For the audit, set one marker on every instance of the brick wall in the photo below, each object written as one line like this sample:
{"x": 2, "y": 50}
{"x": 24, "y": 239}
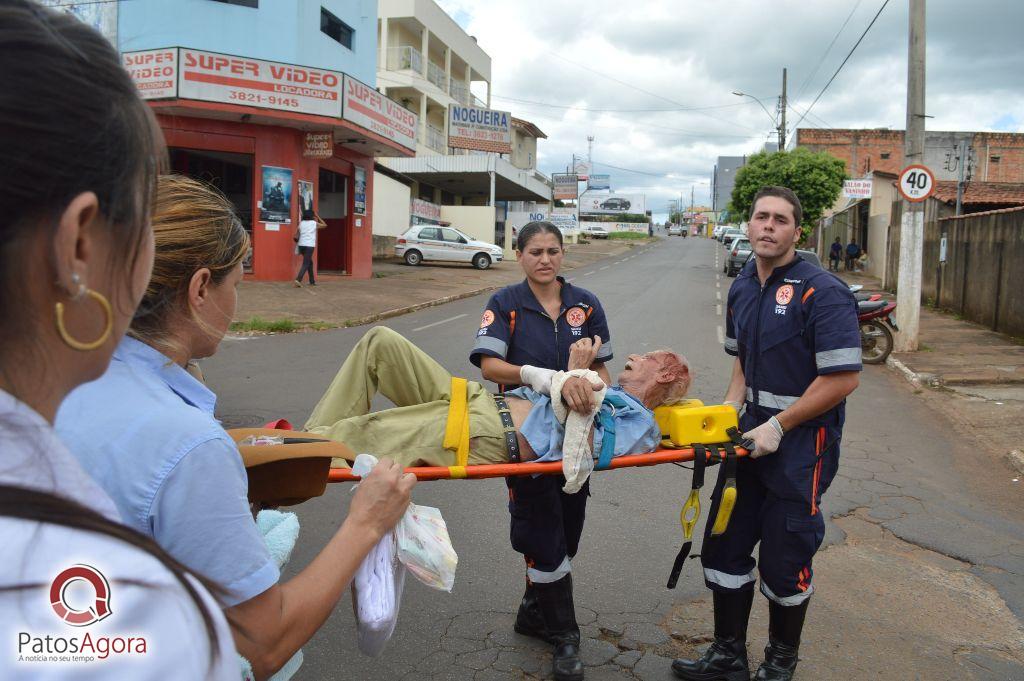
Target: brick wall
{"x": 994, "y": 156}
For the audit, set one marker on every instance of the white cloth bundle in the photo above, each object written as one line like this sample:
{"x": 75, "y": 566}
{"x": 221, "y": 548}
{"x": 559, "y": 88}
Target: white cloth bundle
{"x": 577, "y": 454}
{"x": 377, "y": 585}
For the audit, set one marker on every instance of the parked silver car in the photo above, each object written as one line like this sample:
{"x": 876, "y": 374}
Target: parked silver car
{"x": 736, "y": 256}
{"x": 437, "y": 242}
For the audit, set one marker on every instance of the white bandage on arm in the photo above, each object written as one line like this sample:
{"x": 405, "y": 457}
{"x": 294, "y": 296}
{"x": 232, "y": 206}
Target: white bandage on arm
{"x": 537, "y": 378}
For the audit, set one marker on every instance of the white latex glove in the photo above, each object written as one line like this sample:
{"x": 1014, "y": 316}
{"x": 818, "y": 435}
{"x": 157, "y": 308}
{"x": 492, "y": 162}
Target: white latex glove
{"x": 537, "y": 378}
{"x": 766, "y": 437}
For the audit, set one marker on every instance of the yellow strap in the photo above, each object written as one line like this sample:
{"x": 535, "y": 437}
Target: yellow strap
{"x": 456, "y": 431}
{"x": 457, "y": 472}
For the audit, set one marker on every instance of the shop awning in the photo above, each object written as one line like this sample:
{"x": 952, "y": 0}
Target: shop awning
{"x": 470, "y": 175}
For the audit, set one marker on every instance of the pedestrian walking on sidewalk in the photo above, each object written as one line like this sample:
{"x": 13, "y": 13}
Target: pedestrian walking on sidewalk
{"x": 835, "y": 254}
{"x": 306, "y": 237}
{"x": 526, "y": 329}
{"x": 792, "y": 328}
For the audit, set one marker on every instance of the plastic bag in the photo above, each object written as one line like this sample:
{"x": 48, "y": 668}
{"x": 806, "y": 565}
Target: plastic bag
{"x": 377, "y": 586}
{"x": 425, "y": 547}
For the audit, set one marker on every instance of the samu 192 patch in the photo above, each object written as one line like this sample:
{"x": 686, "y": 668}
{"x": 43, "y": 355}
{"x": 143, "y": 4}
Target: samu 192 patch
{"x": 487, "y": 319}
{"x": 576, "y": 317}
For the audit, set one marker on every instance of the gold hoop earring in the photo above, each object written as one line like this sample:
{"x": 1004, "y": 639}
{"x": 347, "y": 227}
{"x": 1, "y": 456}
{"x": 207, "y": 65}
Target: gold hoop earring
{"x": 92, "y": 345}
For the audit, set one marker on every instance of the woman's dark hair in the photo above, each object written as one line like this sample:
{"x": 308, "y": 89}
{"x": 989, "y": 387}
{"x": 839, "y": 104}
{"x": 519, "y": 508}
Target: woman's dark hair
{"x": 308, "y": 214}
{"x": 532, "y": 229}
{"x": 72, "y": 122}
{"x": 43, "y": 507}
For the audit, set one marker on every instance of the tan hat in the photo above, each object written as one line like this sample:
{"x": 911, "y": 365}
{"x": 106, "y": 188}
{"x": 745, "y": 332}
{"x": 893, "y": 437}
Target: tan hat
{"x": 288, "y": 473}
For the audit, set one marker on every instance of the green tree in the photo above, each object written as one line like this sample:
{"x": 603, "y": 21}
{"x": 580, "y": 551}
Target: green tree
{"x": 816, "y": 177}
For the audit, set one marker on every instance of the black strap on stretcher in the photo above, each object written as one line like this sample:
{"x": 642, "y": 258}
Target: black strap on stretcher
{"x": 511, "y": 441}
{"x": 690, "y": 515}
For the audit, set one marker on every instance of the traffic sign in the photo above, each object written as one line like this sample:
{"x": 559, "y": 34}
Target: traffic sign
{"x": 916, "y": 183}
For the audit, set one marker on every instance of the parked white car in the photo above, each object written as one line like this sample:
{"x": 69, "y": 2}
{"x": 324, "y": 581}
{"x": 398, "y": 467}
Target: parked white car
{"x": 433, "y": 242}
{"x": 598, "y": 232}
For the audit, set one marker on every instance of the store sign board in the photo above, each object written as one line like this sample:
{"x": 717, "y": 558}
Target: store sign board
{"x": 857, "y": 189}
{"x": 318, "y": 145}
{"x": 474, "y": 127}
{"x": 565, "y": 186}
{"x": 213, "y": 77}
{"x": 566, "y": 219}
{"x": 154, "y": 72}
{"x": 369, "y": 109}
{"x": 426, "y": 210}
{"x": 602, "y": 181}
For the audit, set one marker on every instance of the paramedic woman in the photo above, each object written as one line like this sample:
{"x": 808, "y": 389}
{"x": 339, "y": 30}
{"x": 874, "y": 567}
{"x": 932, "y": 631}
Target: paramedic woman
{"x": 529, "y": 329}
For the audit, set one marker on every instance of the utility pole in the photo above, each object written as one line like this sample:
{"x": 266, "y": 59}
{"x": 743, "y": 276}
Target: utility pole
{"x": 908, "y": 292}
{"x": 590, "y": 152}
{"x": 960, "y": 182}
{"x": 782, "y": 119}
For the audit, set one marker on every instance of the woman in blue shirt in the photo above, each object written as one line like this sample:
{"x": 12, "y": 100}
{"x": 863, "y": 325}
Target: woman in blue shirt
{"x": 174, "y": 473}
{"x": 528, "y": 326}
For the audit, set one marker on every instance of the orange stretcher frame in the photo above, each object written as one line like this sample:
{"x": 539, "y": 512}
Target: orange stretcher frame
{"x": 501, "y": 470}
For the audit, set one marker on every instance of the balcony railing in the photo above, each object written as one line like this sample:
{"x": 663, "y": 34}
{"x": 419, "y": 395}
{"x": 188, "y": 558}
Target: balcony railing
{"x": 460, "y": 92}
{"x": 405, "y": 58}
{"x": 479, "y": 102}
{"x": 435, "y": 139}
{"x": 436, "y": 75}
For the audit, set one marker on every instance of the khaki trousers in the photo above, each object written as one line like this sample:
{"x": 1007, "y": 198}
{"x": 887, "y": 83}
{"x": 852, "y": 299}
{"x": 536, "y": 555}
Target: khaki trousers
{"x": 384, "y": 361}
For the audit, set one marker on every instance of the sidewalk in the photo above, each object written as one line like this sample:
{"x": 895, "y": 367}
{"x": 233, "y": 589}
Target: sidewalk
{"x": 976, "y": 376}
{"x": 394, "y": 289}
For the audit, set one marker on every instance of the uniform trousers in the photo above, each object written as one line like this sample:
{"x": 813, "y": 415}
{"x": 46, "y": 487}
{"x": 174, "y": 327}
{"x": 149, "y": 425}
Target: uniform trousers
{"x": 777, "y": 504}
{"x": 412, "y": 433}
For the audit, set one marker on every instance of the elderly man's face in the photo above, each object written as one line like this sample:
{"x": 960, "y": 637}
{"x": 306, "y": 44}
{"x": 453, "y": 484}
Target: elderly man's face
{"x": 641, "y": 369}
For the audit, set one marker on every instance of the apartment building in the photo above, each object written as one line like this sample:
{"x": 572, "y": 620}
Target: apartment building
{"x": 428, "y": 64}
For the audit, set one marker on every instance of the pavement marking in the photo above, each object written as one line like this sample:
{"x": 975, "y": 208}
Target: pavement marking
{"x": 443, "y": 321}
{"x": 619, "y": 262}
{"x": 718, "y": 295}
{"x": 605, "y": 267}
{"x": 718, "y": 285}
{"x": 587, "y": 274}
{"x": 571, "y": 280}
{"x": 721, "y": 335}
{"x": 718, "y": 310}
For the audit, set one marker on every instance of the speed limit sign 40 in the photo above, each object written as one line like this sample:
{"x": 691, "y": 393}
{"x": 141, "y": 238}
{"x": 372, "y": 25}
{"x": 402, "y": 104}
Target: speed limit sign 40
{"x": 916, "y": 183}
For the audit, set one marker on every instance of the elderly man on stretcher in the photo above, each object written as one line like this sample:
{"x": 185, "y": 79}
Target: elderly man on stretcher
{"x": 439, "y": 420}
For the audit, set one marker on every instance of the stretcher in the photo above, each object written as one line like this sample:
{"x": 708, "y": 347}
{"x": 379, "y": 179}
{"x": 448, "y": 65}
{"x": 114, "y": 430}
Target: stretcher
{"x": 286, "y": 467}
{"x": 299, "y": 468}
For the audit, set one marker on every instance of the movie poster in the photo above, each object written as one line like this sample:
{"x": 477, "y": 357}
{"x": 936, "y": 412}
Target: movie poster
{"x": 305, "y": 196}
{"x": 276, "y": 205}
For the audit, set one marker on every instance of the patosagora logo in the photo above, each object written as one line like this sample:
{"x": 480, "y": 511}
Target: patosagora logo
{"x": 100, "y": 607}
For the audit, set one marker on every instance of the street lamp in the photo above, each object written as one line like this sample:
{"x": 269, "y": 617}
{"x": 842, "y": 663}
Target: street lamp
{"x": 774, "y": 121}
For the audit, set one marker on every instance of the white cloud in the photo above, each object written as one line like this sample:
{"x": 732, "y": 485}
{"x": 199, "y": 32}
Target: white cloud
{"x": 666, "y": 54}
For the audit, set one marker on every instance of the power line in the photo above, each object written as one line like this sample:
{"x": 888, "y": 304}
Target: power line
{"x": 583, "y": 108}
{"x": 646, "y": 92}
{"x": 852, "y": 50}
{"x": 828, "y": 49}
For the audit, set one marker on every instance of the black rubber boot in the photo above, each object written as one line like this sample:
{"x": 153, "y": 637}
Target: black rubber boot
{"x": 559, "y": 614}
{"x": 726, "y": 659}
{"x": 529, "y": 620}
{"x": 785, "y": 623}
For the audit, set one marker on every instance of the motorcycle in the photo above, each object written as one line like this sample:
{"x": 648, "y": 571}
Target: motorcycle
{"x": 877, "y": 322}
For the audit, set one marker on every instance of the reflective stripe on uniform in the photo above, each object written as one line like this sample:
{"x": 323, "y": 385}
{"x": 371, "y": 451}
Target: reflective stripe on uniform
{"x": 541, "y": 577}
{"x": 771, "y": 400}
{"x": 731, "y": 344}
{"x": 605, "y": 352}
{"x": 795, "y": 599}
{"x": 727, "y": 580}
{"x": 491, "y": 343}
{"x": 838, "y": 357}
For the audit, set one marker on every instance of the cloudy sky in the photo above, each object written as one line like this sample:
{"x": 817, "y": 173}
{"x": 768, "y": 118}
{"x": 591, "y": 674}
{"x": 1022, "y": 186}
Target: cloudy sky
{"x": 652, "y": 80}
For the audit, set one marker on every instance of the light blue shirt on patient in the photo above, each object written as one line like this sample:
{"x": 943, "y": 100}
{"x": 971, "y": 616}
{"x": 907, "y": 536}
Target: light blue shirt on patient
{"x": 636, "y": 430}
{"x": 146, "y": 433}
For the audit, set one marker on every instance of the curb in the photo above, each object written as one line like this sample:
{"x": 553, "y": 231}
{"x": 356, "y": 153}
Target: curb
{"x": 921, "y": 380}
{"x": 1016, "y": 459}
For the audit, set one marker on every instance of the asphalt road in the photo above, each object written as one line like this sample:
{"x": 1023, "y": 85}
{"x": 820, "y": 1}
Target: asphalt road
{"x": 903, "y": 472}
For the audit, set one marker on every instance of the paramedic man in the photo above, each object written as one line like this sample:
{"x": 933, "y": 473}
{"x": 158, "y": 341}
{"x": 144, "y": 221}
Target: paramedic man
{"x": 535, "y": 324}
{"x": 793, "y": 329}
